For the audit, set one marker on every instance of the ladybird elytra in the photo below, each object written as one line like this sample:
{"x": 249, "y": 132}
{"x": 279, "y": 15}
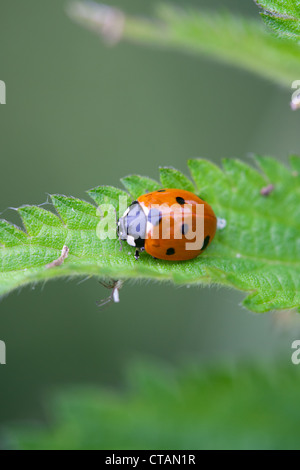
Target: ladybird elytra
{"x": 142, "y": 224}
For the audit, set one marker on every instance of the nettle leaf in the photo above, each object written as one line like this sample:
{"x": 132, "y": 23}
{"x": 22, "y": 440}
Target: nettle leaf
{"x": 257, "y": 252}
{"x": 194, "y": 408}
{"x": 172, "y": 178}
{"x": 282, "y": 16}
{"x": 136, "y": 185}
{"x": 240, "y": 41}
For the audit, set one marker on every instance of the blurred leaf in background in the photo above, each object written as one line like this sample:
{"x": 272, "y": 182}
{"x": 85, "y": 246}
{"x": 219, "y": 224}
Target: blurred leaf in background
{"x": 238, "y": 407}
{"x": 243, "y": 42}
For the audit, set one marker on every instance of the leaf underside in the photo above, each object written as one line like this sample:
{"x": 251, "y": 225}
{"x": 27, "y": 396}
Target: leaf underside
{"x": 217, "y": 408}
{"x": 258, "y": 251}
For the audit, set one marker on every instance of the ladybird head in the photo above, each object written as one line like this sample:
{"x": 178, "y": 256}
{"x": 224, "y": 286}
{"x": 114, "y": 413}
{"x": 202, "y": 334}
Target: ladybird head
{"x": 132, "y": 226}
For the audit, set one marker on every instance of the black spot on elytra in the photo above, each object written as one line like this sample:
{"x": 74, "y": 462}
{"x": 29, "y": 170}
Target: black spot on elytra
{"x": 184, "y": 229}
{"x": 161, "y": 191}
{"x": 170, "y": 251}
{"x": 180, "y": 200}
{"x": 206, "y": 242}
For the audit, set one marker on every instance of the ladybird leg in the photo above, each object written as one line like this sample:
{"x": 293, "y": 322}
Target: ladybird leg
{"x": 137, "y": 255}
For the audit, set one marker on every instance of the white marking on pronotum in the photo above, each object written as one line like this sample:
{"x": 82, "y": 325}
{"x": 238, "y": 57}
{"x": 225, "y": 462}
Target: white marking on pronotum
{"x": 130, "y": 240}
{"x": 60, "y": 260}
{"x": 221, "y": 223}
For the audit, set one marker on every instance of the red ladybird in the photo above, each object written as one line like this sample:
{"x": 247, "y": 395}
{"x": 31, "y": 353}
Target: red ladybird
{"x": 167, "y": 224}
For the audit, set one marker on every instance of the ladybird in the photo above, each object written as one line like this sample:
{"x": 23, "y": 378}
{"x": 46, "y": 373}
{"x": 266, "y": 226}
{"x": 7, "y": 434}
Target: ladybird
{"x": 165, "y": 224}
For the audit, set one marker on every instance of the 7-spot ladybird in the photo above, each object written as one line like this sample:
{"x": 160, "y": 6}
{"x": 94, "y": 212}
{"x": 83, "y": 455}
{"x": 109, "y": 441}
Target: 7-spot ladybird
{"x": 150, "y": 212}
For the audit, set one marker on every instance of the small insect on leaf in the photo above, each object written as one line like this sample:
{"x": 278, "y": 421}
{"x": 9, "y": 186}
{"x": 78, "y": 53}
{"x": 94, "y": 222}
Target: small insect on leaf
{"x": 59, "y": 261}
{"x": 115, "y": 287}
{"x": 266, "y": 190}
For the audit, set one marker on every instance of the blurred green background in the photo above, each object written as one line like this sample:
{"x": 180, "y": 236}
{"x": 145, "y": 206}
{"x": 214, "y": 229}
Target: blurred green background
{"x": 81, "y": 114}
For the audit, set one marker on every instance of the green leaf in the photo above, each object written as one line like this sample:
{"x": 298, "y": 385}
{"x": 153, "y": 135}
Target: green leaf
{"x": 172, "y": 178}
{"x": 281, "y": 7}
{"x": 244, "y": 407}
{"x": 136, "y": 185}
{"x": 282, "y": 16}
{"x": 107, "y": 195}
{"x": 295, "y": 163}
{"x": 11, "y": 235}
{"x": 257, "y": 252}
{"x": 239, "y": 41}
